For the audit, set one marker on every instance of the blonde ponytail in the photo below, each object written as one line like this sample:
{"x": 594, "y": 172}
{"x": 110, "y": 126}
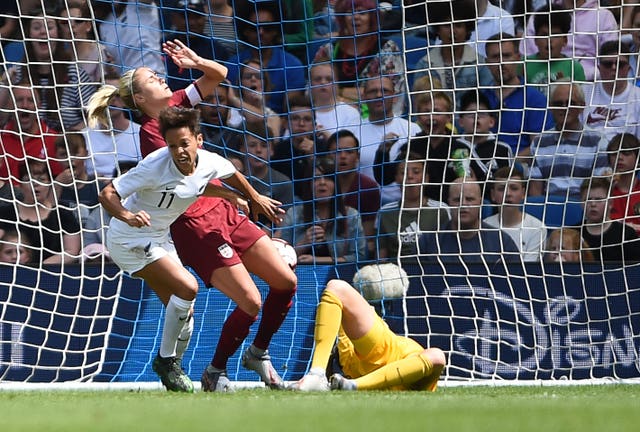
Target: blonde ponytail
{"x": 98, "y": 106}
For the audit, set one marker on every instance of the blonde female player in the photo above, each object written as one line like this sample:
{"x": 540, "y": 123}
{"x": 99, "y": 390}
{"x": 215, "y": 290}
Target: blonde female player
{"x": 369, "y": 353}
{"x": 212, "y": 237}
{"x": 158, "y": 190}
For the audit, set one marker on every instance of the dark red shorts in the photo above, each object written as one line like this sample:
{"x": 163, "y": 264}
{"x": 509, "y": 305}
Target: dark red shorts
{"x": 214, "y": 239}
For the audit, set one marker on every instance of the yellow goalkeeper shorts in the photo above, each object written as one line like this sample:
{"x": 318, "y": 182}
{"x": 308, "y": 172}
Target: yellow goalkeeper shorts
{"x": 379, "y": 347}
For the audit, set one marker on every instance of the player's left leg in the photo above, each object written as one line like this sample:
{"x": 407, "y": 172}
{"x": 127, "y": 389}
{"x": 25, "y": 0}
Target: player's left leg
{"x": 175, "y": 285}
{"x": 340, "y": 305}
{"x": 236, "y": 283}
{"x": 263, "y": 260}
{"x": 420, "y": 372}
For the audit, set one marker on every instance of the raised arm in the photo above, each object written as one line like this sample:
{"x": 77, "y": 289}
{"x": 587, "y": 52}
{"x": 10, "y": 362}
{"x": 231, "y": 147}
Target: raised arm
{"x": 185, "y": 58}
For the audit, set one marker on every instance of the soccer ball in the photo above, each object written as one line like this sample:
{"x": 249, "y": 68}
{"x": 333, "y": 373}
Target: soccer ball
{"x": 381, "y": 281}
{"x": 286, "y": 251}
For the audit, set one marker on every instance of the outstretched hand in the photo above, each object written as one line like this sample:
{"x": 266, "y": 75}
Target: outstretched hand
{"x": 268, "y": 207}
{"x": 183, "y": 56}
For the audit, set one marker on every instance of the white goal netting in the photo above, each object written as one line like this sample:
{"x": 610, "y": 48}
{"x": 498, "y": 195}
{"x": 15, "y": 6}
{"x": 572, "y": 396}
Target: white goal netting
{"x": 501, "y": 139}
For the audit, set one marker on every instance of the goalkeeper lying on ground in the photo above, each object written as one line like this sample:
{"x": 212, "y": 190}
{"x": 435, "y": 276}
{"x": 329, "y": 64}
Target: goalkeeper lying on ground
{"x": 371, "y": 356}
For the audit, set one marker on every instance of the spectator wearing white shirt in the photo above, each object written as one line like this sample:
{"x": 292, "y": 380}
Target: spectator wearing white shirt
{"x": 491, "y": 20}
{"x": 131, "y": 33}
{"x": 331, "y": 114}
{"x": 382, "y": 131}
{"x": 613, "y": 102}
{"x": 110, "y": 144}
{"x": 508, "y": 191}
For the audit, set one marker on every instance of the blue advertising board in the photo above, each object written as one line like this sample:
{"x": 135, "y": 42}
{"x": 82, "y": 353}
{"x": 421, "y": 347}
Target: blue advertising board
{"x": 532, "y": 323}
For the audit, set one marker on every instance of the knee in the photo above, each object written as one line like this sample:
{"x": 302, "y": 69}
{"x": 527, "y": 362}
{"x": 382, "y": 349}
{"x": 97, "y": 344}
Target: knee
{"x": 290, "y": 282}
{"x": 340, "y": 289}
{"x": 435, "y": 356}
{"x": 283, "y": 281}
{"x": 190, "y": 290}
{"x": 251, "y": 305}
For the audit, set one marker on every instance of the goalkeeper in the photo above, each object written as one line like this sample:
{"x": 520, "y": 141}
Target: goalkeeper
{"x": 371, "y": 356}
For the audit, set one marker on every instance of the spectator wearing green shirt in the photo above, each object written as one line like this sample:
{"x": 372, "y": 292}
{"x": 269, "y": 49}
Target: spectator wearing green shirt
{"x": 549, "y": 64}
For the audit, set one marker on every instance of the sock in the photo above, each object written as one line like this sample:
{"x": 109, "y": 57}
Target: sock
{"x": 175, "y": 314}
{"x": 275, "y": 309}
{"x": 402, "y": 372}
{"x": 184, "y": 337}
{"x": 234, "y": 331}
{"x": 258, "y": 352}
{"x": 328, "y": 321}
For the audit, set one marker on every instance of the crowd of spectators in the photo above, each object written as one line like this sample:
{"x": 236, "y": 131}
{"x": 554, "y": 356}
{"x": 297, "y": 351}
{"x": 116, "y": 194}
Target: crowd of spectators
{"x": 511, "y": 103}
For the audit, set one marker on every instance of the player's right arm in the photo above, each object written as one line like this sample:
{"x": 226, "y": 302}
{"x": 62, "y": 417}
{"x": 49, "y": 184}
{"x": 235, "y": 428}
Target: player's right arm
{"x": 260, "y": 204}
{"x": 112, "y": 203}
{"x": 214, "y": 190}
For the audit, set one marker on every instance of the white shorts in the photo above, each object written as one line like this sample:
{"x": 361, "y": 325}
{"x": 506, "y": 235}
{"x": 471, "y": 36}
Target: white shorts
{"x": 132, "y": 255}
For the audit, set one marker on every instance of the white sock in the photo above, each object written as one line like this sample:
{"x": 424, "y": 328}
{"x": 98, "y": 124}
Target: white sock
{"x": 317, "y": 371}
{"x": 184, "y": 337}
{"x": 176, "y": 313}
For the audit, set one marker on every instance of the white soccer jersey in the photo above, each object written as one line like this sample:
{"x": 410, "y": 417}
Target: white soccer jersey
{"x": 156, "y": 186}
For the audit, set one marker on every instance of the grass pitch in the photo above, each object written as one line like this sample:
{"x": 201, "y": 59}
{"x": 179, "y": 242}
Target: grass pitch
{"x": 566, "y": 408}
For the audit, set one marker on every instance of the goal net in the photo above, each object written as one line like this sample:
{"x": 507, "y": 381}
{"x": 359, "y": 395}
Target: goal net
{"x": 440, "y": 90}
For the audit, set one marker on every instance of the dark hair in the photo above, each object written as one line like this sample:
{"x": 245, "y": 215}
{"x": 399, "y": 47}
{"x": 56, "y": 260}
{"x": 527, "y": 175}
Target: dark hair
{"x": 446, "y": 12}
{"x": 259, "y": 129}
{"x": 298, "y": 99}
{"x": 73, "y": 142}
{"x": 595, "y": 182}
{"x": 508, "y": 172}
{"x": 503, "y": 37}
{"x": 32, "y": 166}
{"x": 178, "y": 117}
{"x": 327, "y": 168}
{"x": 474, "y": 97}
{"x": 635, "y": 11}
{"x": 244, "y": 10}
{"x": 623, "y": 142}
{"x": 615, "y": 47}
{"x": 552, "y": 17}
{"x": 342, "y": 133}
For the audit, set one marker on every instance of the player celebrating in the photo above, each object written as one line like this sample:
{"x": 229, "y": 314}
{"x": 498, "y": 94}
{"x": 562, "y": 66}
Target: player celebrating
{"x": 220, "y": 244}
{"x": 368, "y": 352}
{"x": 155, "y": 193}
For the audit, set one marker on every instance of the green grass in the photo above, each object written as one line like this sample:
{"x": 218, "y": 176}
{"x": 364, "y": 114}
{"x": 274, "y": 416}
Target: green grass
{"x": 567, "y": 408}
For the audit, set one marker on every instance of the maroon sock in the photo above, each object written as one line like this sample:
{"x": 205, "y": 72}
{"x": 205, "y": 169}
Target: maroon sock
{"x": 274, "y": 311}
{"x": 234, "y": 331}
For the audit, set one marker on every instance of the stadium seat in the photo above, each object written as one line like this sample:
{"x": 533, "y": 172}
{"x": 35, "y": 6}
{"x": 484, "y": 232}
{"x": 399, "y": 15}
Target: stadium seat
{"x": 13, "y": 52}
{"x": 554, "y": 210}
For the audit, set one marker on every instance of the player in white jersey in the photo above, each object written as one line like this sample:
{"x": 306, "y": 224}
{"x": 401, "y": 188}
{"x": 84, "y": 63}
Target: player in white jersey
{"x": 156, "y": 192}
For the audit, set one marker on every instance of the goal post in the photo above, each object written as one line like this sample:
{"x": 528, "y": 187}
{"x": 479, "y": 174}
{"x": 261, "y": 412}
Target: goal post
{"x": 499, "y": 321}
